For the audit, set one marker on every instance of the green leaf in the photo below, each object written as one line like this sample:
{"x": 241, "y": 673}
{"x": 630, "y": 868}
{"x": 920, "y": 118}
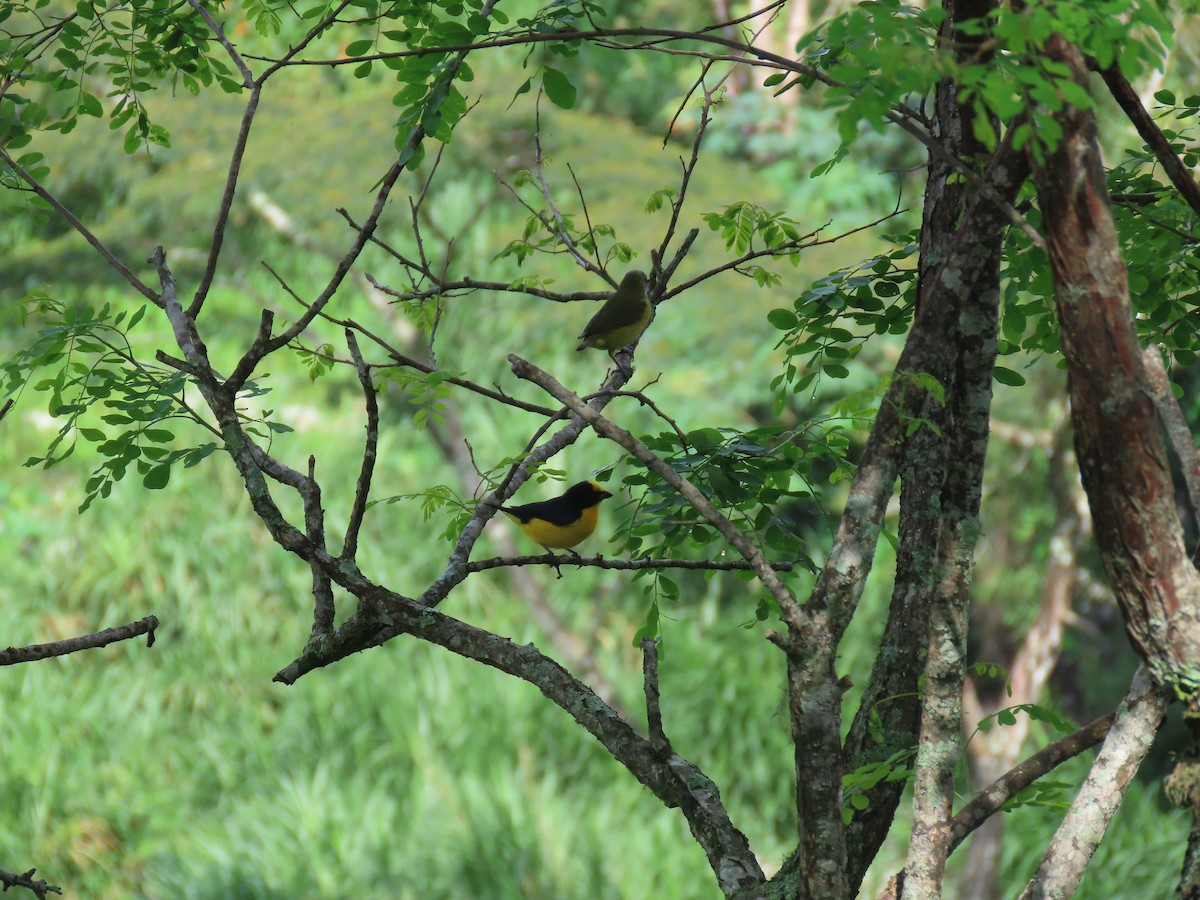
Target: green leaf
{"x": 156, "y": 479}
{"x": 1008, "y": 376}
{"x": 783, "y": 319}
{"x": 558, "y": 88}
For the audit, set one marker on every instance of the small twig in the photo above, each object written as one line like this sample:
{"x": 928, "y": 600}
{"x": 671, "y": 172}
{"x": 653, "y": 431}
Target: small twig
{"x": 313, "y": 32}
{"x": 363, "y": 489}
{"x": 561, "y": 232}
{"x": 324, "y": 607}
{"x": 8, "y": 404}
{"x": 140, "y": 286}
{"x": 654, "y": 725}
{"x": 32, "y": 653}
{"x": 587, "y": 216}
{"x": 641, "y": 398}
{"x": 689, "y": 167}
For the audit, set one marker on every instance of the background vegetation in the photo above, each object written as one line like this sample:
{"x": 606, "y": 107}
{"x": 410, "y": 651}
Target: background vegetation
{"x": 183, "y": 772}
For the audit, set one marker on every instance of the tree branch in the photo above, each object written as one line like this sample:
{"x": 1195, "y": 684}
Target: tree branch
{"x": 40, "y": 887}
{"x": 1118, "y": 443}
{"x": 1127, "y": 98}
{"x": 88, "y": 235}
{"x": 14, "y": 655}
{"x": 675, "y": 781}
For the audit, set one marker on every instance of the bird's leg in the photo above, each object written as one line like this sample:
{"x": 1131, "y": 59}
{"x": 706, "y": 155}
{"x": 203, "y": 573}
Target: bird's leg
{"x": 625, "y": 367}
{"x": 554, "y": 557}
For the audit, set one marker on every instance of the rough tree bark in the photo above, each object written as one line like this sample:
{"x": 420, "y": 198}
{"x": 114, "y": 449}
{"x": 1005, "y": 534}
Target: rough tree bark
{"x": 1121, "y": 455}
{"x": 1122, "y": 459}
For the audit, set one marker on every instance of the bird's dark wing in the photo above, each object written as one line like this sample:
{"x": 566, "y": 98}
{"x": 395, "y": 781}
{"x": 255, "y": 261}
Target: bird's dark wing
{"x": 556, "y": 512}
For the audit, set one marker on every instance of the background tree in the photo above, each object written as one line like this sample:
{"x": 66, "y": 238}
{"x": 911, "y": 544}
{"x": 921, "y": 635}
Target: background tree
{"x": 415, "y": 307}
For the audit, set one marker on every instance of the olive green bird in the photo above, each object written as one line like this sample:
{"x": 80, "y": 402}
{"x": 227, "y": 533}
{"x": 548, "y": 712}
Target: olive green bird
{"x": 621, "y": 319}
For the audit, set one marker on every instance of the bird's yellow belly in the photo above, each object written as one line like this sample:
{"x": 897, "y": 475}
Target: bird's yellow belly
{"x": 561, "y": 537}
{"x": 619, "y": 337}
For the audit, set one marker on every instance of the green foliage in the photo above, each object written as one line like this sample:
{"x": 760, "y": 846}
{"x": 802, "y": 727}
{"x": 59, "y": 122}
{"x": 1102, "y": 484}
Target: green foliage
{"x": 1046, "y": 793}
{"x": 759, "y": 479}
{"x": 857, "y": 784}
{"x": 93, "y": 376}
{"x": 878, "y": 295}
{"x": 300, "y": 824}
{"x": 1008, "y": 716}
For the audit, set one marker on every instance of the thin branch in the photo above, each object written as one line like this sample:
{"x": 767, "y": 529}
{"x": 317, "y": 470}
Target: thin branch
{"x": 223, "y": 40}
{"x": 88, "y": 235}
{"x": 561, "y": 232}
{"x": 1174, "y": 424}
{"x": 313, "y": 32}
{"x": 14, "y": 655}
{"x": 654, "y": 725}
{"x": 231, "y": 182}
{"x": 633, "y": 565}
{"x": 40, "y": 887}
{"x": 757, "y": 56}
{"x": 259, "y": 349}
{"x": 1127, "y": 98}
{"x": 689, "y": 167}
{"x": 363, "y": 488}
{"x": 804, "y": 242}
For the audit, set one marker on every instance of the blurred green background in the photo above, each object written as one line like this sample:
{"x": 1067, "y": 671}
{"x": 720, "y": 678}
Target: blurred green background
{"x": 183, "y": 772}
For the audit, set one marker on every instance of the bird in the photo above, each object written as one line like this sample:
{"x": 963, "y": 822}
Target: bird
{"x": 622, "y": 318}
{"x": 563, "y": 522}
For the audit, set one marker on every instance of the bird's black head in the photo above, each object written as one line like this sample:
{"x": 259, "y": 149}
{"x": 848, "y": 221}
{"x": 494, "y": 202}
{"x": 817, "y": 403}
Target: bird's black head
{"x": 586, "y": 494}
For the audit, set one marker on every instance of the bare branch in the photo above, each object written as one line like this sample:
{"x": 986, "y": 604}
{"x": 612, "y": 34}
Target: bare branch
{"x": 223, "y": 210}
{"x": 363, "y": 489}
{"x": 675, "y": 781}
{"x": 633, "y": 565}
{"x": 324, "y": 608}
{"x": 40, "y": 887}
{"x": 14, "y": 655}
{"x": 658, "y": 737}
{"x": 1175, "y": 425}
{"x": 88, "y": 235}
{"x": 560, "y": 231}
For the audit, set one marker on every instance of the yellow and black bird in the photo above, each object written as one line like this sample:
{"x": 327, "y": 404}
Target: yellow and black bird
{"x": 563, "y": 522}
{"x": 622, "y": 318}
